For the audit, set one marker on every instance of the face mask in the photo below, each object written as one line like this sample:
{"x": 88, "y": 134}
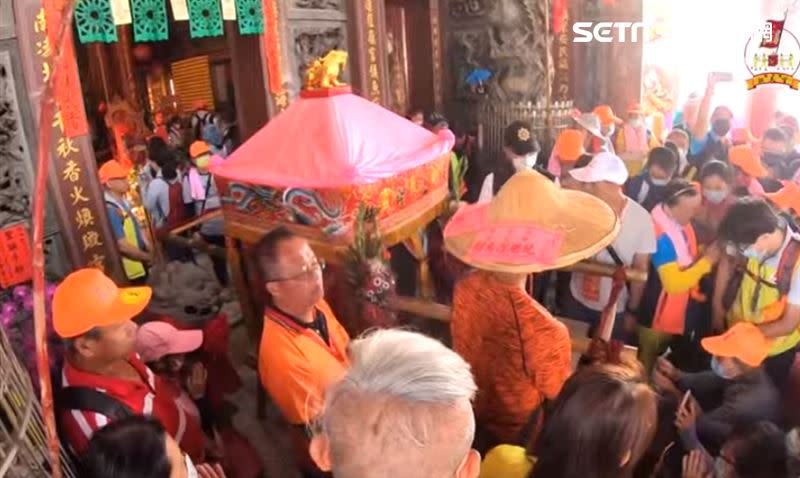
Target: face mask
{"x": 715, "y": 197}
{"x": 752, "y": 253}
{"x": 202, "y": 162}
{"x": 717, "y": 368}
{"x": 530, "y": 160}
{"x": 721, "y": 126}
{"x": 659, "y": 182}
{"x": 191, "y": 471}
{"x": 636, "y": 123}
{"x": 611, "y": 130}
{"x": 773, "y": 159}
{"x": 682, "y": 153}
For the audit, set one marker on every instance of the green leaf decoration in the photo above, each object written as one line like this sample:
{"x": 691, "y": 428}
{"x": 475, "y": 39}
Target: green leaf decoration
{"x": 94, "y": 21}
{"x": 149, "y": 20}
{"x": 205, "y": 18}
{"x": 250, "y": 16}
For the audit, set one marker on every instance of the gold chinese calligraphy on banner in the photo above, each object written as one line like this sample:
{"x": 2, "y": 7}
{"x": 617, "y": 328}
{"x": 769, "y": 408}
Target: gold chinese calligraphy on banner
{"x": 77, "y": 196}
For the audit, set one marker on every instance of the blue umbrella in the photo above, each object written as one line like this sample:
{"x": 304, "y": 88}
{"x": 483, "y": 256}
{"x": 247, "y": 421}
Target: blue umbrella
{"x": 478, "y": 76}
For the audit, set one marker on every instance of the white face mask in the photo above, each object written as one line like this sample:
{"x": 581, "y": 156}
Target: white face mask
{"x": 524, "y": 162}
{"x": 611, "y": 130}
{"x": 191, "y": 471}
{"x": 636, "y": 123}
{"x": 682, "y": 153}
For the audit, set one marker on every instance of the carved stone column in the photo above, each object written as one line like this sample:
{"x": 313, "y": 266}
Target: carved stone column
{"x": 17, "y": 144}
{"x": 311, "y": 29}
{"x": 506, "y": 37}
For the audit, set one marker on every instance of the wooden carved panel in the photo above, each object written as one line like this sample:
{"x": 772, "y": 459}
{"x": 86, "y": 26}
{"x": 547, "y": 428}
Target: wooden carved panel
{"x": 318, "y": 4}
{"x": 15, "y": 184}
{"x": 470, "y": 8}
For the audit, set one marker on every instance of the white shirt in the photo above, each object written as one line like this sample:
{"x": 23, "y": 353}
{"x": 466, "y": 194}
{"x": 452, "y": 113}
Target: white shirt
{"x": 637, "y": 235}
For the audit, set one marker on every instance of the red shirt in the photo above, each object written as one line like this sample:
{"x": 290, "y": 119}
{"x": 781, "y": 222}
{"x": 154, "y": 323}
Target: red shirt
{"x": 151, "y": 396}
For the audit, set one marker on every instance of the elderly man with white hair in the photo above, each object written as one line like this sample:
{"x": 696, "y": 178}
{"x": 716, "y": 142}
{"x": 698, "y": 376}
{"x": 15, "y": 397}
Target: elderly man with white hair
{"x": 404, "y": 410}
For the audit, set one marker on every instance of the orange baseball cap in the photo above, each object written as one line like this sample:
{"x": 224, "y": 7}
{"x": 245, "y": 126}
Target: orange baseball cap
{"x": 606, "y": 115}
{"x": 743, "y": 341}
{"x": 788, "y": 197}
{"x": 87, "y": 298}
{"x": 745, "y": 159}
{"x": 199, "y": 148}
{"x": 569, "y": 145}
{"x": 111, "y": 170}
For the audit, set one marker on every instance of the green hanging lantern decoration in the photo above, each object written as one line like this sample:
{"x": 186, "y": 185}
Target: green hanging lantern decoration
{"x": 149, "y": 20}
{"x": 205, "y": 18}
{"x": 94, "y": 21}
{"x": 250, "y": 16}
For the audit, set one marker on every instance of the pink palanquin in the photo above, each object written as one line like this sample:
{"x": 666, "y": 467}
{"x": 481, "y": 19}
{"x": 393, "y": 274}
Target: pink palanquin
{"x": 311, "y": 167}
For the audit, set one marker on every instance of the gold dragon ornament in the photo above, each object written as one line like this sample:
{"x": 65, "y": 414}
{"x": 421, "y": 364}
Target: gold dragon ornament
{"x": 325, "y": 71}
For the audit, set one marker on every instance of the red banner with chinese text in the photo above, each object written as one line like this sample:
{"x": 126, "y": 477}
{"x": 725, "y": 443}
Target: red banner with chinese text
{"x": 16, "y": 263}
{"x": 67, "y": 88}
{"x": 272, "y": 47}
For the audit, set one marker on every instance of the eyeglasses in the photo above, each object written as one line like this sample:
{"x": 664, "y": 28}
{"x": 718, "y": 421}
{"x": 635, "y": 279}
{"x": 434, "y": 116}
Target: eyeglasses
{"x": 305, "y": 273}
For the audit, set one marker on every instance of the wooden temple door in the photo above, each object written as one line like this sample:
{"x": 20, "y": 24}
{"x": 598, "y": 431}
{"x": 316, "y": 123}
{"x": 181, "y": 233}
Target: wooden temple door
{"x": 408, "y": 55}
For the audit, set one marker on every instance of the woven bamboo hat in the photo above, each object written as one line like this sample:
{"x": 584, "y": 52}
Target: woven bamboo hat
{"x": 532, "y": 225}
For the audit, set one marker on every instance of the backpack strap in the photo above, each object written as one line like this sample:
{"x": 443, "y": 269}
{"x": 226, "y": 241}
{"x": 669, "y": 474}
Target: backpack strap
{"x": 614, "y": 256}
{"x": 787, "y": 266}
{"x": 90, "y": 400}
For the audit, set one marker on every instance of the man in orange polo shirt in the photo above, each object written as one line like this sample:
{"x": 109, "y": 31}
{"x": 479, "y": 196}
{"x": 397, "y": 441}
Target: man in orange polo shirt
{"x": 103, "y": 379}
{"x": 303, "y": 346}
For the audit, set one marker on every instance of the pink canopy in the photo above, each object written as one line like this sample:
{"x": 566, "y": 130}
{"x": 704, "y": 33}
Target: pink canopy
{"x": 333, "y": 141}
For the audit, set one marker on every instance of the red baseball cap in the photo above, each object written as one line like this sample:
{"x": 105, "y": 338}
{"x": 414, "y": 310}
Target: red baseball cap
{"x": 156, "y": 339}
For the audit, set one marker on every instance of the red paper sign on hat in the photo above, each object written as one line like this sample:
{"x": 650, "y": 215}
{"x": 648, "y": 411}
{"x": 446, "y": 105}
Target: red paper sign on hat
{"x": 16, "y": 263}
{"x": 517, "y": 244}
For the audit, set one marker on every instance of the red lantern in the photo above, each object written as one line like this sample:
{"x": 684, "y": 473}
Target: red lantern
{"x": 142, "y": 53}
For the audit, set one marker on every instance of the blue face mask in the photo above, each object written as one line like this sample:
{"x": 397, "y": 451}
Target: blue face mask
{"x": 716, "y": 367}
{"x": 715, "y": 197}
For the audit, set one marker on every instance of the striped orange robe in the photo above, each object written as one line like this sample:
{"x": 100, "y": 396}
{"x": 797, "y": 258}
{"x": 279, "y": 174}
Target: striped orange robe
{"x": 519, "y": 353}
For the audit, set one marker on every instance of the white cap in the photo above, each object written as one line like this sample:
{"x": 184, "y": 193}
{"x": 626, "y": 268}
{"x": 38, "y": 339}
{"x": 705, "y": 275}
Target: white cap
{"x": 603, "y": 167}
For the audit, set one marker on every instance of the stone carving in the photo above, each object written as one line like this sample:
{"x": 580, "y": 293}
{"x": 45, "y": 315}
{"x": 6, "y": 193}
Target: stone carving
{"x": 186, "y": 291}
{"x": 318, "y": 4}
{"x": 15, "y": 185}
{"x": 511, "y": 44}
{"x": 470, "y": 8}
{"x": 313, "y": 43}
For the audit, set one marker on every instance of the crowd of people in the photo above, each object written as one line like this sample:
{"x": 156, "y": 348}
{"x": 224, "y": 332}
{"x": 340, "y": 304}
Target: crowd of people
{"x": 693, "y": 337}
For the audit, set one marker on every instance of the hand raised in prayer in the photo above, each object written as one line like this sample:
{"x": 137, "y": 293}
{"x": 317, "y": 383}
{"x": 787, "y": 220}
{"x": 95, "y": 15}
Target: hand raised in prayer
{"x": 686, "y": 415}
{"x": 695, "y": 465}
{"x": 196, "y": 381}
{"x": 210, "y": 471}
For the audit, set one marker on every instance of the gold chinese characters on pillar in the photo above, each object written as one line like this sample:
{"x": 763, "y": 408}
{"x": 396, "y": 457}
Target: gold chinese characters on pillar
{"x": 373, "y": 76}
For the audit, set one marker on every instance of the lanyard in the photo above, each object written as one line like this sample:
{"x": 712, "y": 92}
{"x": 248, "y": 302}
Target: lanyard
{"x": 286, "y": 321}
